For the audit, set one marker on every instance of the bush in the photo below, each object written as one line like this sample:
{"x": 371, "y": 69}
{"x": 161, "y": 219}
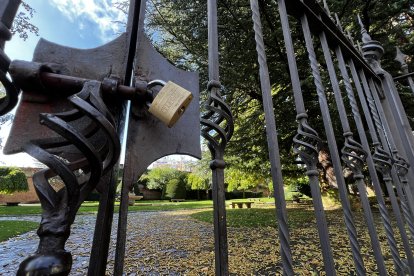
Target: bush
{"x": 175, "y": 188}
{"x": 12, "y": 180}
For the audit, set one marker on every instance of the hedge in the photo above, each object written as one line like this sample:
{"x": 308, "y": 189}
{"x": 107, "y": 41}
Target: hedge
{"x": 12, "y": 180}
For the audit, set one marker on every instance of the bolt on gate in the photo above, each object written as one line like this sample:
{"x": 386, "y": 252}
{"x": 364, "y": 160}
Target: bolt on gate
{"x": 74, "y": 104}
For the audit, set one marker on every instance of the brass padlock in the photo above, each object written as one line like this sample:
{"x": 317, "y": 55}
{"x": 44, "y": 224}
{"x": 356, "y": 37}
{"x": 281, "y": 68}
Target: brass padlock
{"x": 170, "y": 103}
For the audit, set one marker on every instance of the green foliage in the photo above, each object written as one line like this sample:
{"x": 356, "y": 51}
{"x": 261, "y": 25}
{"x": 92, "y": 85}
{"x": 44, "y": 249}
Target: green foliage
{"x": 197, "y": 181}
{"x": 200, "y": 176}
{"x": 158, "y": 178}
{"x": 181, "y": 35}
{"x": 175, "y": 188}
{"x": 11, "y": 228}
{"x": 12, "y": 180}
{"x": 240, "y": 180}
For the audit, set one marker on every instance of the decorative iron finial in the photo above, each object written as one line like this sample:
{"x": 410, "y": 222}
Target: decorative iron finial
{"x": 338, "y": 22}
{"x": 366, "y": 38}
{"x": 401, "y": 58}
{"x": 371, "y": 49}
{"x": 326, "y": 7}
{"x": 349, "y": 35}
{"x": 359, "y": 47}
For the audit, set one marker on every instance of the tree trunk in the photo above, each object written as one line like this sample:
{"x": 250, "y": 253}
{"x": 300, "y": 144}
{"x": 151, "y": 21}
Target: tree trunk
{"x": 327, "y": 173}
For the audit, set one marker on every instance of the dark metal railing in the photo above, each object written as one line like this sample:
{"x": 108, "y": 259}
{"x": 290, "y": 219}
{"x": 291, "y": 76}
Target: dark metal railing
{"x": 348, "y": 70}
{"x": 374, "y": 129}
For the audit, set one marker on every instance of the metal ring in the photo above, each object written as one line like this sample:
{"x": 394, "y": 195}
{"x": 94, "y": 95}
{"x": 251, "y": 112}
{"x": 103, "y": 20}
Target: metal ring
{"x": 154, "y": 83}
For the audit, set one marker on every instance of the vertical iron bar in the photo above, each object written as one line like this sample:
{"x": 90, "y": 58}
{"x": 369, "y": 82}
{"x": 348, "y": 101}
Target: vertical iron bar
{"x": 398, "y": 176}
{"x": 220, "y": 227}
{"x": 136, "y": 15}
{"x": 100, "y": 247}
{"x": 273, "y": 145}
{"x": 378, "y": 111}
{"x": 359, "y": 178}
{"x": 306, "y": 142}
{"x": 355, "y": 248}
{"x": 401, "y": 58}
{"x": 371, "y": 166}
{"x": 217, "y": 165}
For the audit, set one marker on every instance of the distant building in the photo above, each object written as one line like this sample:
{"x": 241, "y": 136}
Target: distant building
{"x": 180, "y": 163}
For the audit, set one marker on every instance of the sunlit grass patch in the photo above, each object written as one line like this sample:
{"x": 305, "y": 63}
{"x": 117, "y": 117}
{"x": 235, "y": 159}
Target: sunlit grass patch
{"x": 11, "y": 228}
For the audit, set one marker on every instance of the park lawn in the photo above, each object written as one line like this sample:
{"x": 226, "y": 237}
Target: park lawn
{"x": 256, "y": 217}
{"x": 11, "y": 228}
{"x": 92, "y": 207}
{"x": 35, "y": 209}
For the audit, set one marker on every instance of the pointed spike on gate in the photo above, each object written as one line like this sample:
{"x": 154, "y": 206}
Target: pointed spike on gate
{"x": 349, "y": 35}
{"x": 326, "y": 7}
{"x": 400, "y": 57}
{"x": 338, "y": 23}
{"x": 365, "y": 36}
{"x": 359, "y": 46}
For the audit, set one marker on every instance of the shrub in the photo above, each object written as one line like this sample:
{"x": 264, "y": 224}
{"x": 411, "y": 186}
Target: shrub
{"x": 175, "y": 188}
{"x": 12, "y": 180}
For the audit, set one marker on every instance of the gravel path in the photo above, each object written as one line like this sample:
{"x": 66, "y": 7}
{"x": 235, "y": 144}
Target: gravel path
{"x": 152, "y": 236}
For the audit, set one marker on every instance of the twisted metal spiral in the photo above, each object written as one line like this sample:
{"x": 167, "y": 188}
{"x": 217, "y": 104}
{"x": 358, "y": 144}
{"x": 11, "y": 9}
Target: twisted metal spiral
{"x": 306, "y": 142}
{"x": 360, "y": 268}
{"x": 8, "y": 10}
{"x": 9, "y": 101}
{"x": 217, "y": 124}
{"x": 382, "y": 160}
{"x": 353, "y": 155}
{"x": 99, "y": 145}
{"x": 402, "y": 166}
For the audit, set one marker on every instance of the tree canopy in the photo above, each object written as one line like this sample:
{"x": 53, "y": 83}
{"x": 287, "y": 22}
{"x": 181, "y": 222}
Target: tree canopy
{"x": 22, "y": 25}
{"x": 180, "y": 33}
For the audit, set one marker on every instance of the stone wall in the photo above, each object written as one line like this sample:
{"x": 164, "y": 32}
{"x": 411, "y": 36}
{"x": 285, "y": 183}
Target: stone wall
{"x": 23, "y": 197}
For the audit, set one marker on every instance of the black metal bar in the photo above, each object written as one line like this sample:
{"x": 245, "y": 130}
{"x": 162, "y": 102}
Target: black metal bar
{"x": 100, "y": 246}
{"x": 217, "y": 112}
{"x": 356, "y": 251}
{"x": 306, "y": 142}
{"x": 387, "y": 174}
{"x": 135, "y": 20}
{"x": 274, "y": 155}
{"x": 355, "y": 165}
{"x": 8, "y": 10}
{"x": 320, "y": 21}
{"x": 358, "y": 78}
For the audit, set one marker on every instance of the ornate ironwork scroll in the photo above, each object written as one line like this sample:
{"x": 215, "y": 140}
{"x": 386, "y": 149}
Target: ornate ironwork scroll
{"x": 353, "y": 154}
{"x": 306, "y": 144}
{"x": 349, "y": 222}
{"x": 217, "y": 128}
{"x": 382, "y": 157}
{"x": 8, "y": 11}
{"x": 79, "y": 176}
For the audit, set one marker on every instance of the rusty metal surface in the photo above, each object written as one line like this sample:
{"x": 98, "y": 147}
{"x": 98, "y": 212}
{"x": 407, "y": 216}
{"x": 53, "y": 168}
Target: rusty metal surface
{"x": 148, "y": 138}
{"x": 96, "y": 63}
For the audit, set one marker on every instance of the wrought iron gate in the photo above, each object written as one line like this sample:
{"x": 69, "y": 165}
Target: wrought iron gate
{"x": 354, "y": 73}
{"x": 79, "y": 138}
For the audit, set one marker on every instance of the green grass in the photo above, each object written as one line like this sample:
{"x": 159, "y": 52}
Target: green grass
{"x": 166, "y": 205}
{"x": 256, "y": 217}
{"x": 11, "y": 228}
{"x": 92, "y": 207}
